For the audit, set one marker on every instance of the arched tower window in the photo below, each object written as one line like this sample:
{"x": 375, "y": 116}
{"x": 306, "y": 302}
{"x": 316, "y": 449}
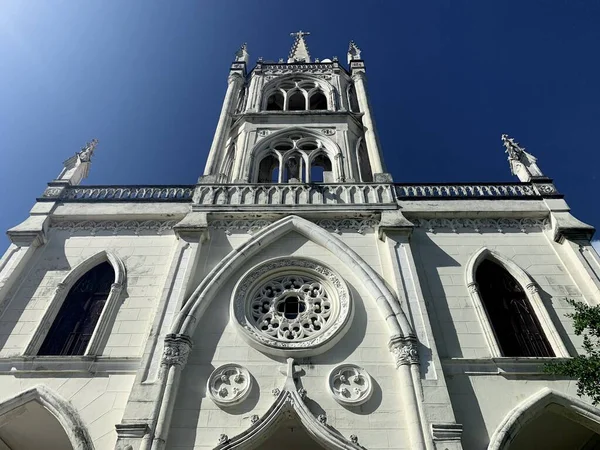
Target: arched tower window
{"x": 275, "y": 102}
{"x": 294, "y": 169}
{"x": 297, "y": 101}
{"x": 76, "y": 320}
{"x": 321, "y": 170}
{"x": 318, "y": 101}
{"x": 352, "y": 100}
{"x": 268, "y": 170}
{"x": 513, "y": 320}
{"x": 364, "y": 166}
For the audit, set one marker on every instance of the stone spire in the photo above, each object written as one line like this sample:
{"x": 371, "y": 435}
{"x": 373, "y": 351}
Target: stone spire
{"x": 77, "y": 167}
{"x": 242, "y": 54}
{"x": 299, "y": 51}
{"x": 522, "y": 164}
{"x": 353, "y": 52}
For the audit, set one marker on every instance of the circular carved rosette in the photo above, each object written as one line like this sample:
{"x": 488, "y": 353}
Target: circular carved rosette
{"x": 350, "y": 385}
{"x": 292, "y": 306}
{"x": 229, "y": 384}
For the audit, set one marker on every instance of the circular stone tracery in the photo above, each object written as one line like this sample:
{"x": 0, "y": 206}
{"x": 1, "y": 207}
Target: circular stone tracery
{"x": 292, "y": 305}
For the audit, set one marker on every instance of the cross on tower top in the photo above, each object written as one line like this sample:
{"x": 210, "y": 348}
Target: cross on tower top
{"x": 299, "y": 51}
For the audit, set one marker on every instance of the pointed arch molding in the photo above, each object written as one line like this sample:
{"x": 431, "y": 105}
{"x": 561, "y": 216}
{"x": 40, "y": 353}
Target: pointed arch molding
{"x": 330, "y": 148}
{"x": 388, "y": 305}
{"x": 61, "y": 409}
{"x": 288, "y": 401}
{"x": 529, "y": 287}
{"x": 60, "y": 294}
{"x": 534, "y": 406}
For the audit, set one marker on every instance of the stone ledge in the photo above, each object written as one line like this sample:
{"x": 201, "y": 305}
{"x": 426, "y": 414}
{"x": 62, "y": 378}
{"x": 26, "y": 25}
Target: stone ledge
{"x": 22, "y": 365}
{"x": 498, "y": 366}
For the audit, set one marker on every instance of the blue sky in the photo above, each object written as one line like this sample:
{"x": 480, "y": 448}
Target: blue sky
{"x": 446, "y": 80}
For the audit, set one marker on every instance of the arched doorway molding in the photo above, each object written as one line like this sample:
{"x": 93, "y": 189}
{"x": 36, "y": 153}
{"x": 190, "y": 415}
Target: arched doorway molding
{"x": 289, "y": 401}
{"x": 530, "y": 288}
{"x": 62, "y": 290}
{"x": 61, "y": 409}
{"x": 570, "y": 407}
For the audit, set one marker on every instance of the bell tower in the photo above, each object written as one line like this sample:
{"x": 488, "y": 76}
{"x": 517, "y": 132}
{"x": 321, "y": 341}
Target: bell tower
{"x": 302, "y": 120}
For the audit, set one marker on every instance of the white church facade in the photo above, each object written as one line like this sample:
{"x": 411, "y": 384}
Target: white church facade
{"x": 297, "y": 296}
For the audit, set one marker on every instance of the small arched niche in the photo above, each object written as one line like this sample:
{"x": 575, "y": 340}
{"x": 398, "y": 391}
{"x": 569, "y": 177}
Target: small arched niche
{"x": 364, "y": 165}
{"x": 321, "y": 169}
{"x": 296, "y": 101}
{"x": 275, "y": 102}
{"x": 318, "y": 101}
{"x": 268, "y": 170}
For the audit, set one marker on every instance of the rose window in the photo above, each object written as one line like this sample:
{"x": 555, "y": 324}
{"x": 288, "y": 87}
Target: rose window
{"x": 292, "y": 306}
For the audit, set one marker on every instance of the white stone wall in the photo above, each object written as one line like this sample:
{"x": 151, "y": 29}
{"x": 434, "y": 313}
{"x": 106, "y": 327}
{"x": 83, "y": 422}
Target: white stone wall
{"x": 379, "y": 423}
{"x": 483, "y": 391}
{"x": 146, "y": 257}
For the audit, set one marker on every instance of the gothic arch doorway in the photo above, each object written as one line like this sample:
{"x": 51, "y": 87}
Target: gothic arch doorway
{"x": 550, "y": 420}
{"x": 39, "y": 419}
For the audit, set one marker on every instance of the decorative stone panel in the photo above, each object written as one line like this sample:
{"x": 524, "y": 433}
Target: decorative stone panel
{"x": 229, "y": 384}
{"x": 350, "y": 385}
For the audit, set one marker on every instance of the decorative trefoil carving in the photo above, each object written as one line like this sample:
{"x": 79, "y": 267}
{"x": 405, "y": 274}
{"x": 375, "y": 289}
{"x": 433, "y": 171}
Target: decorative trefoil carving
{"x": 350, "y": 385}
{"x": 229, "y": 384}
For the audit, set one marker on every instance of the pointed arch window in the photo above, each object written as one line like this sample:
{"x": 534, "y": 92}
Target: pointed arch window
{"x": 515, "y": 324}
{"x": 513, "y": 317}
{"x": 79, "y": 315}
{"x": 76, "y": 320}
{"x": 296, "y": 101}
{"x": 318, "y": 101}
{"x": 364, "y": 166}
{"x": 275, "y": 102}
{"x": 321, "y": 170}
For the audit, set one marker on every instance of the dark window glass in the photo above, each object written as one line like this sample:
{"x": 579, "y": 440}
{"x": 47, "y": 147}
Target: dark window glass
{"x": 77, "y": 318}
{"x": 275, "y": 102}
{"x": 291, "y": 307}
{"x": 514, "y": 322}
{"x": 318, "y": 101}
{"x": 296, "y": 102}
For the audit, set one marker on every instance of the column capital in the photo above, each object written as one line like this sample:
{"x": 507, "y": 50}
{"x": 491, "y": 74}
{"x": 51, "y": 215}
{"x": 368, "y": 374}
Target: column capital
{"x": 404, "y": 350}
{"x": 177, "y": 349}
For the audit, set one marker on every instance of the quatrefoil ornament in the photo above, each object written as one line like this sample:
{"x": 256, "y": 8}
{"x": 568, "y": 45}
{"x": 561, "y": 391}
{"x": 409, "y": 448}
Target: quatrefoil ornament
{"x": 350, "y": 385}
{"x": 229, "y": 384}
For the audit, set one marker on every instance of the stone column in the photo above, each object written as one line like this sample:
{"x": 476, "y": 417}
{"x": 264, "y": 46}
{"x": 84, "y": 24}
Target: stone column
{"x": 371, "y": 139}
{"x": 234, "y": 85}
{"x": 406, "y": 356}
{"x": 177, "y": 348}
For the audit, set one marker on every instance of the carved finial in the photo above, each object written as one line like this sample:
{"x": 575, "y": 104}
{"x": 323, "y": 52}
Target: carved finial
{"x": 242, "y": 54}
{"x": 87, "y": 151}
{"x": 353, "y": 52}
{"x": 299, "y": 51}
{"x": 522, "y": 164}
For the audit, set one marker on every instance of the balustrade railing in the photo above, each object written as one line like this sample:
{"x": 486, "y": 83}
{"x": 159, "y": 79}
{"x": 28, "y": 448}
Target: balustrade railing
{"x": 291, "y": 194}
{"x": 294, "y": 194}
{"x": 465, "y": 190}
{"x": 128, "y": 193}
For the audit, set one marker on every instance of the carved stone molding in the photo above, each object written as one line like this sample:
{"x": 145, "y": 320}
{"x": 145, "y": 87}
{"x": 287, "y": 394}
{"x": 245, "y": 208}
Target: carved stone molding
{"x": 176, "y": 350}
{"x": 115, "y": 227}
{"x": 251, "y": 226}
{"x": 359, "y": 225}
{"x": 229, "y": 384}
{"x": 350, "y": 385}
{"x": 322, "y": 298}
{"x": 404, "y": 351}
{"x": 446, "y": 431}
{"x": 478, "y": 225}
